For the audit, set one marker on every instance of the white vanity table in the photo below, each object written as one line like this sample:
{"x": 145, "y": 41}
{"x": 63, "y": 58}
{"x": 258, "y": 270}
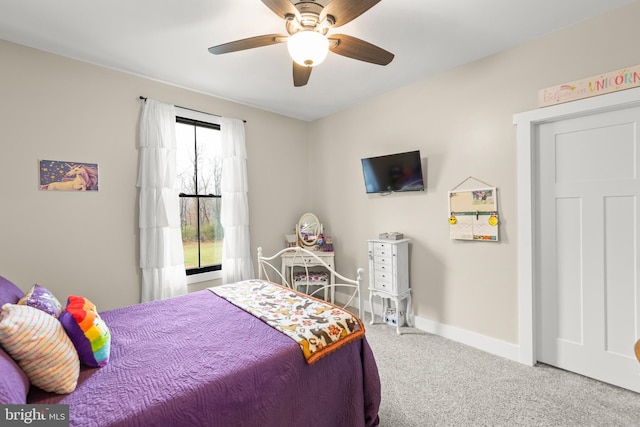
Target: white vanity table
{"x": 309, "y": 235}
{"x": 291, "y": 260}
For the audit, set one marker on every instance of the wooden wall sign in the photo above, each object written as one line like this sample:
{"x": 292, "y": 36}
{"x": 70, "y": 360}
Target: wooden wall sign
{"x": 613, "y": 81}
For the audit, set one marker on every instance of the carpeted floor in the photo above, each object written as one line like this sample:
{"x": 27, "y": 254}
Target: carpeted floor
{"x": 431, "y": 381}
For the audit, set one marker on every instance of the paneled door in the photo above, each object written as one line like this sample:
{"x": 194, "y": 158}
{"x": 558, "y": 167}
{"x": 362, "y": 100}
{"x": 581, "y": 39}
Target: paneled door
{"x": 587, "y": 290}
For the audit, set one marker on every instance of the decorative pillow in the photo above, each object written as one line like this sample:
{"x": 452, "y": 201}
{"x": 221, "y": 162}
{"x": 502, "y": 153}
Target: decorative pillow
{"x": 14, "y": 383}
{"x": 41, "y": 298}
{"x": 38, "y": 342}
{"x": 88, "y": 332}
{"x": 9, "y": 293}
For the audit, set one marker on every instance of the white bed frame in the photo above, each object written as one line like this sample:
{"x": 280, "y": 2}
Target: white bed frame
{"x": 351, "y": 287}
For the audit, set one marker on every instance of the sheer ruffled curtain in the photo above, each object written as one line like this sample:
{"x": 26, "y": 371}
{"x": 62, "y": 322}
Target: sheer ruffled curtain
{"x": 234, "y": 215}
{"x": 161, "y": 253}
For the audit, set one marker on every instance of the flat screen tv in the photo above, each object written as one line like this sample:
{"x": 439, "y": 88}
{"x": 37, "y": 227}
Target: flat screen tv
{"x": 393, "y": 173}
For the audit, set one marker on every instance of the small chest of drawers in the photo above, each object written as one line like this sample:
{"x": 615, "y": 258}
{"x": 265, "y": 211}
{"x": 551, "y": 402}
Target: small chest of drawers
{"x": 389, "y": 275}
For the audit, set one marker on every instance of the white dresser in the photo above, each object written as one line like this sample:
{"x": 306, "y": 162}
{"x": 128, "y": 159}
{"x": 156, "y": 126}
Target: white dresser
{"x": 389, "y": 276}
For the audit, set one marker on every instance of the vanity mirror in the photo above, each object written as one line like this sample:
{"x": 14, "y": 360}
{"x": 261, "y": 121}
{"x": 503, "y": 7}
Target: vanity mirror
{"x": 308, "y": 229}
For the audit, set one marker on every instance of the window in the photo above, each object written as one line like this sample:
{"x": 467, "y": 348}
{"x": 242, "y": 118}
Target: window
{"x": 199, "y": 168}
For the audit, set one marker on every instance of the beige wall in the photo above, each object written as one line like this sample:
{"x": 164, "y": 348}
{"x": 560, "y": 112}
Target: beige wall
{"x": 57, "y": 108}
{"x": 87, "y": 243}
{"x": 461, "y": 122}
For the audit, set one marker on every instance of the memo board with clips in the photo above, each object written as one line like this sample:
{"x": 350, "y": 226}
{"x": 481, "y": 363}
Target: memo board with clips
{"x": 473, "y": 211}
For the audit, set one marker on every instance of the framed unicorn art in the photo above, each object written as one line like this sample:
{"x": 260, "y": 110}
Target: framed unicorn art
{"x": 68, "y": 176}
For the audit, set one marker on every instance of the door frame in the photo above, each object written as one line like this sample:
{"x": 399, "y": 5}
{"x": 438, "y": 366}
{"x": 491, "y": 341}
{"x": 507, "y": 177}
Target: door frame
{"x": 527, "y": 133}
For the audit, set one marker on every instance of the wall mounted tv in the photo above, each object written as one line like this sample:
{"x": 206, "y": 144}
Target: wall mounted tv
{"x": 393, "y": 173}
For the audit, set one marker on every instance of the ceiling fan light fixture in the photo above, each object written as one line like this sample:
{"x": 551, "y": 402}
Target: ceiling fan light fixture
{"x": 308, "y": 48}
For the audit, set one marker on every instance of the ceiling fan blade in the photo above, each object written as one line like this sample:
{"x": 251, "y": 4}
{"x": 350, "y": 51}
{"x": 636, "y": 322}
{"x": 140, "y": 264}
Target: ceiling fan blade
{"x": 248, "y": 43}
{"x": 346, "y": 10}
{"x": 352, "y": 47}
{"x": 281, "y": 7}
{"x": 300, "y": 74}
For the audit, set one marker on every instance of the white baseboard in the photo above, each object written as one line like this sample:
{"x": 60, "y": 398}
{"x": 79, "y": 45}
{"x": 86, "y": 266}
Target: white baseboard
{"x": 463, "y": 336}
{"x": 472, "y": 339}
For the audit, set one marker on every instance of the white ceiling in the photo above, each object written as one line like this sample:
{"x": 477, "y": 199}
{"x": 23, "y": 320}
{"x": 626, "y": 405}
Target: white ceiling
{"x": 167, "y": 40}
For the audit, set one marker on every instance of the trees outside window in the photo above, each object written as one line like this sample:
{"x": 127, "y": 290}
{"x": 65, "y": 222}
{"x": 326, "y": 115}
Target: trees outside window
{"x": 199, "y": 169}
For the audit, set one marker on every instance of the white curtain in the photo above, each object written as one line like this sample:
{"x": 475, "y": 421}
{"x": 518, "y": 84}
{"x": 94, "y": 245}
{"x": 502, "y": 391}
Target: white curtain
{"x": 234, "y": 211}
{"x": 161, "y": 253}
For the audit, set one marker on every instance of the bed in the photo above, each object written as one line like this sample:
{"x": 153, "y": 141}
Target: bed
{"x": 201, "y": 360}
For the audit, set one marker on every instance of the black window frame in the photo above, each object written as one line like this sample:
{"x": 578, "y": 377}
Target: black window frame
{"x": 199, "y": 123}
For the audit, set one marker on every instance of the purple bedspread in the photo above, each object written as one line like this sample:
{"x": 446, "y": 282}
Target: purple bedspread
{"x": 197, "y": 360}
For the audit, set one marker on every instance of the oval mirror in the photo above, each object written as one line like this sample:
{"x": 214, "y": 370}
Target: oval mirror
{"x": 308, "y": 229}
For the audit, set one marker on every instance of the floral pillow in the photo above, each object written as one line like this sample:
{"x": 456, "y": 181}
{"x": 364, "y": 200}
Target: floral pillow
{"x": 88, "y": 332}
{"x": 41, "y": 298}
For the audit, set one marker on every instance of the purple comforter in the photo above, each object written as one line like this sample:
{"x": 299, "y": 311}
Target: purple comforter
{"x": 197, "y": 360}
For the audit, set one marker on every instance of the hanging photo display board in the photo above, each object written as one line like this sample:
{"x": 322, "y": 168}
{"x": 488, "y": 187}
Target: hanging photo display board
{"x": 473, "y": 212}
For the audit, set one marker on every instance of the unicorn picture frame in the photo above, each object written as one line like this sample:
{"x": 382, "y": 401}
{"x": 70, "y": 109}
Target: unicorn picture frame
{"x": 56, "y": 175}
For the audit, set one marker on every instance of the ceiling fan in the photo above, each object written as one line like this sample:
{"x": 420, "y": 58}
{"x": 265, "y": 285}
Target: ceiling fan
{"x": 308, "y": 23}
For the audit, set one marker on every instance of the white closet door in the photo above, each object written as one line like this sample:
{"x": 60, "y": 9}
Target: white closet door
{"x": 587, "y": 287}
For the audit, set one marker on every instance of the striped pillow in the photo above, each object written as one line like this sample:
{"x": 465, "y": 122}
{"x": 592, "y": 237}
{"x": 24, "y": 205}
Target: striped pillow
{"x": 38, "y": 342}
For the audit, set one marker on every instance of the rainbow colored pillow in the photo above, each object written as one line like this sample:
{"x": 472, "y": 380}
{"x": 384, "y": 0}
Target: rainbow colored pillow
{"x": 87, "y": 331}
